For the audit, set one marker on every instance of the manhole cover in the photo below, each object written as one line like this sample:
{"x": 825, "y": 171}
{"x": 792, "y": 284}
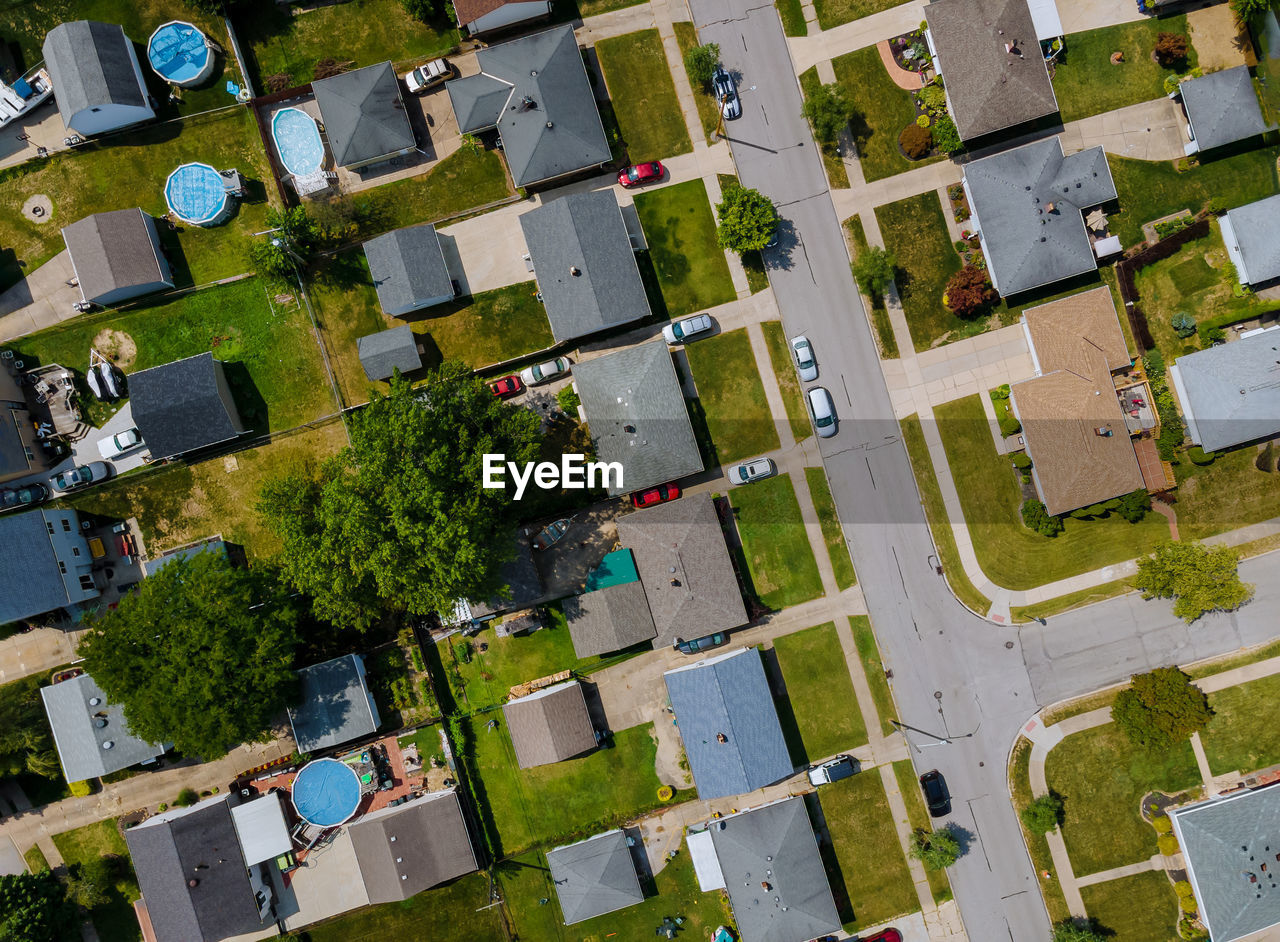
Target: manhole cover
{"x": 38, "y": 208}
{"x": 1009, "y": 645}
{"x": 937, "y": 695}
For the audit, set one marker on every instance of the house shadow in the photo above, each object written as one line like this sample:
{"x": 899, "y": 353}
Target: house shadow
{"x": 830, "y": 862}
{"x": 640, "y": 859}
{"x": 171, "y": 247}
{"x": 249, "y": 402}
{"x": 786, "y": 714}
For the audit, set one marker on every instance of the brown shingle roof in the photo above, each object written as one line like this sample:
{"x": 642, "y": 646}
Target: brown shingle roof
{"x": 550, "y": 725}
{"x": 468, "y": 11}
{"x": 1066, "y": 332}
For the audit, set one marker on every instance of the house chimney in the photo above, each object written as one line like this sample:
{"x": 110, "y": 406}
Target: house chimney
{"x": 574, "y": 270}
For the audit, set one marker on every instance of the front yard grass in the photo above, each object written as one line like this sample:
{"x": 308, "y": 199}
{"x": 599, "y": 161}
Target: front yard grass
{"x": 825, "y": 506}
{"x": 918, "y": 817}
{"x": 791, "y": 12}
{"x": 915, "y": 232}
{"x": 729, "y": 387}
{"x": 457, "y": 910}
{"x": 869, "y": 654}
{"x": 1241, "y": 736}
{"x": 834, "y": 12}
{"x": 857, "y": 241}
{"x": 681, "y": 231}
{"x": 1140, "y": 908}
{"x": 35, "y": 859}
{"x": 114, "y": 919}
{"x": 1229, "y": 493}
{"x": 708, "y": 112}
{"x": 820, "y": 691}
{"x": 1037, "y": 844}
{"x": 774, "y": 542}
{"x": 644, "y": 96}
{"x": 780, "y": 358}
{"x": 831, "y": 159}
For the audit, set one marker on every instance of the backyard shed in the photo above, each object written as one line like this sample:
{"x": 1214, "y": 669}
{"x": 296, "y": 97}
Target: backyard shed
{"x": 551, "y": 725}
{"x": 184, "y": 406}
{"x": 383, "y": 353}
{"x": 117, "y": 256}
{"x": 408, "y": 269}
{"x": 97, "y": 80}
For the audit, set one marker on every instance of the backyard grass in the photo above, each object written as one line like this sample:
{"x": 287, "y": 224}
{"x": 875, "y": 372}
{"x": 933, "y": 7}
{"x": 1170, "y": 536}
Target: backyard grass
{"x": 114, "y": 919}
{"x": 708, "y": 112}
{"x": 1141, "y": 908}
{"x": 36, "y": 860}
{"x": 829, "y": 520}
{"x": 869, "y": 654}
{"x": 820, "y": 691}
{"x": 1241, "y": 736}
{"x": 915, "y": 232}
{"x": 1056, "y": 606}
{"x": 778, "y": 556}
{"x": 780, "y": 358}
{"x": 644, "y": 96}
{"x": 1229, "y": 493}
{"x": 918, "y": 817}
{"x": 857, "y": 240}
{"x": 1037, "y": 844}
{"x": 791, "y": 12}
{"x": 1086, "y": 83}
{"x": 402, "y": 693}
{"x": 729, "y": 387}
{"x": 457, "y": 910}
{"x": 831, "y": 159}
{"x": 834, "y": 12}
{"x": 1010, "y": 554}
{"x": 1102, "y": 777}
{"x": 681, "y": 231}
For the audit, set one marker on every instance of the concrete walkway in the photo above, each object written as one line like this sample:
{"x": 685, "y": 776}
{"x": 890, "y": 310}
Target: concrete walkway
{"x": 40, "y": 300}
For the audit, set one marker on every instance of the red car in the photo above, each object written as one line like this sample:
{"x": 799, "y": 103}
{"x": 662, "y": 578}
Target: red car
{"x": 640, "y": 174}
{"x": 888, "y": 935}
{"x": 506, "y": 387}
{"x": 655, "y": 495}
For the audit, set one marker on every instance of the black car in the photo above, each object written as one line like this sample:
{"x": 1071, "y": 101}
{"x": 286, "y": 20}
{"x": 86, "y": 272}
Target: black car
{"x": 698, "y": 645}
{"x": 936, "y": 795}
{"x": 24, "y": 496}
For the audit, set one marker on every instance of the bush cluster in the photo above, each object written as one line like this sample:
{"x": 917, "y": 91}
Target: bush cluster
{"x": 916, "y": 142}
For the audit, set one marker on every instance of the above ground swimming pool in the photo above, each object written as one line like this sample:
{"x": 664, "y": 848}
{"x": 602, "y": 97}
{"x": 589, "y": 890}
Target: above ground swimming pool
{"x": 195, "y": 194}
{"x": 297, "y": 141}
{"x": 326, "y": 792}
{"x": 179, "y": 54}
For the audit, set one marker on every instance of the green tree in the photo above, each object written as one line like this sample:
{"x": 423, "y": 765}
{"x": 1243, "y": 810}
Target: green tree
{"x": 1043, "y": 815}
{"x": 945, "y": 135}
{"x": 747, "y": 219}
{"x": 401, "y": 519}
{"x": 1161, "y": 708}
{"x": 90, "y": 883}
{"x": 1184, "y": 325}
{"x": 33, "y": 908}
{"x": 1135, "y": 505}
{"x": 200, "y": 656}
{"x": 1266, "y": 460}
{"x": 1073, "y": 930}
{"x": 937, "y": 850}
{"x": 290, "y": 239}
{"x": 874, "y": 269}
{"x": 700, "y": 62}
{"x": 1244, "y": 9}
{"x": 1036, "y": 517}
{"x": 26, "y": 744}
{"x": 1198, "y": 578}
{"x": 422, "y": 10}
{"x": 828, "y": 110}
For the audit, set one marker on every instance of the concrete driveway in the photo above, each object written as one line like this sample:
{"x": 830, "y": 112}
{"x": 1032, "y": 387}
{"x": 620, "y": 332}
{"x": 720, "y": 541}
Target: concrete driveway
{"x": 40, "y": 300}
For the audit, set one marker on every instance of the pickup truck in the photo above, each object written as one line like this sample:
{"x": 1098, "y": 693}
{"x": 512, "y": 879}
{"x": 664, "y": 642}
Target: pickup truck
{"x": 428, "y": 76}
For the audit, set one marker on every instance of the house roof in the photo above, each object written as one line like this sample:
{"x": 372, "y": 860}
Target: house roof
{"x": 178, "y": 407}
{"x": 610, "y": 618}
{"x": 1222, "y": 107}
{"x": 536, "y": 92}
{"x": 775, "y": 844}
{"x": 383, "y": 353}
{"x": 1230, "y": 393}
{"x": 364, "y": 115}
{"x": 261, "y": 828}
{"x": 684, "y": 535}
{"x": 212, "y": 545}
{"x": 412, "y": 847}
{"x": 637, "y": 415}
{"x": 82, "y": 747}
{"x": 1253, "y": 231}
{"x": 91, "y": 65}
{"x": 1029, "y": 203}
{"x": 468, "y": 11}
{"x": 110, "y": 251}
{"x": 594, "y": 877}
{"x": 728, "y": 696}
{"x": 30, "y": 581}
{"x": 584, "y": 263}
{"x": 520, "y": 576}
{"x": 335, "y": 705}
{"x": 1226, "y": 842}
{"x": 408, "y": 268}
{"x": 550, "y": 725}
{"x": 989, "y": 86}
{"x": 1066, "y": 333}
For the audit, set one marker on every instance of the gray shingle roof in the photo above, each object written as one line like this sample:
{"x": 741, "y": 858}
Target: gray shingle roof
{"x": 776, "y": 837}
{"x": 364, "y": 115}
{"x": 520, "y": 576}
{"x": 180, "y": 407}
{"x": 335, "y": 705}
{"x": 91, "y": 65}
{"x": 30, "y": 581}
{"x": 431, "y": 846}
{"x": 560, "y": 131}
{"x": 1222, "y": 107}
{"x": 1253, "y": 231}
{"x": 594, "y": 877}
{"x": 408, "y": 269}
{"x": 728, "y": 695}
{"x": 383, "y": 353}
{"x": 585, "y": 266}
{"x": 114, "y": 251}
{"x": 1029, "y": 203}
{"x": 74, "y": 721}
{"x": 550, "y": 725}
{"x": 637, "y": 415}
{"x": 609, "y": 619}
{"x": 1230, "y": 393}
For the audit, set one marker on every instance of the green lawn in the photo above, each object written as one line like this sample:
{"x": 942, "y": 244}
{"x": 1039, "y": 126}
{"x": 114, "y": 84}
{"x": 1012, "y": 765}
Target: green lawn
{"x": 778, "y": 556}
{"x": 681, "y": 231}
{"x": 791, "y": 12}
{"x": 708, "y": 113}
{"x": 729, "y": 387}
{"x": 834, "y": 12}
{"x": 857, "y": 240}
{"x": 36, "y": 860}
{"x": 644, "y": 96}
{"x": 1102, "y": 777}
{"x": 581, "y": 9}
{"x": 1037, "y": 844}
{"x": 1240, "y": 736}
{"x": 884, "y": 110}
{"x": 918, "y": 816}
{"x": 1056, "y": 606}
{"x": 113, "y": 919}
{"x": 831, "y": 159}
{"x": 832, "y": 535}
{"x": 1010, "y": 554}
{"x": 402, "y": 693}
{"x": 1086, "y": 83}
{"x": 1141, "y": 908}
{"x": 1229, "y": 493}
{"x": 457, "y": 910}
{"x": 915, "y": 232}
{"x": 820, "y": 691}
{"x": 869, "y": 653}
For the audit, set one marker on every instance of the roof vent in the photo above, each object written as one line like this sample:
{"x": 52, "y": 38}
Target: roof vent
{"x": 108, "y": 744}
{"x": 393, "y": 838}
{"x": 550, "y": 125}
{"x": 193, "y": 883}
{"x": 533, "y": 72}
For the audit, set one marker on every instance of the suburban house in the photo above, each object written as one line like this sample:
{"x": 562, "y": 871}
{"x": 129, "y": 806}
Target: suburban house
{"x": 685, "y": 569}
{"x": 335, "y": 705}
{"x": 364, "y": 116}
{"x": 613, "y": 612}
{"x": 988, "y": 54}
{"x": 1229, "y": 393}
{"x": 20, "y": 451}
{"x": 1072, "y": 419}
{"x": 637, "y": 415}
{"x": 96, "y": 77}
{"x": 184, "y": 406}
{"x": 728, "y": 724}
{"x": 550, "y": 725}
{"x": 489, "y": 16}
{"x": 383, "y": 353}
{"x": 408, "y": 270}
{"x": 410, "y": 848}
{"x": 536, "y": 93}
{"x": 524, "y": 586}
{"x": 767, "y": 860}
{"x": 90, "y": 732}
{"x": 585, "y": 264}
{"x": 45, "y": 566}
{"x": 117, "y": 256}
{"x": 1222, "y": 108}
{"x": 1028, "y": 205}
{"x": 1252, "y": 237}
{"x": 1231, "y": 848}
{"x": 594, "y": 877}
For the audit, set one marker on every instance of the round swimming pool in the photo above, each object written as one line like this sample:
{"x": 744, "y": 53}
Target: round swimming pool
{"x": 297, "y": 141}
{"x": 196, "y": 195}
{"x": 179, "y": 54}
{"x": 326, "y": 792}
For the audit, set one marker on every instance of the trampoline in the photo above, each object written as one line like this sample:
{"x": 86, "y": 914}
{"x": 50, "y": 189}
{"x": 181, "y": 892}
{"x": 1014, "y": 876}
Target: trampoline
{"x": 196, "y": 194}
{"x": 326, "y": 792}
{"x": 297, "y": 141}
{"x": 179, "y": 53}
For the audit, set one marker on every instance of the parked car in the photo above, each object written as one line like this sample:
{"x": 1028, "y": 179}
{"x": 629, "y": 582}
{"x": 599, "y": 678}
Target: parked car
{"x": 802, "y": 350}
{"x": 823, "y": 411}
{"x": 833, "y": 770}
{"x": 705, "y": 643}
{"x": 91, "y": 473}
{"x": 682, "y": 331}
{"x": 887, "y": 935}
{"x": 655, "y": 495}
{"x": 506, "y": 387}
{"x": 25, "y": 496}
{"x": 545, "y": 372}
{"x": 426, "y": 77}
{"x": 936, "y": 795}
{"x": 752, "y": 470}
{"x": 116, "y": 445}
{"x": 726, "y": 93}
{"x": 640, "y": 174}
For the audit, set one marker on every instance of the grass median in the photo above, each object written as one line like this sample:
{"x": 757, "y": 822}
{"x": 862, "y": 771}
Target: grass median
{"x": 774, "y": 543}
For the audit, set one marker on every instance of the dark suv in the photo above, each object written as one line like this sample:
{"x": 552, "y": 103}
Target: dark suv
{"x": 936, "y": 795}
{"x": 11, "y": 497}
{"x": 698, "y": 645}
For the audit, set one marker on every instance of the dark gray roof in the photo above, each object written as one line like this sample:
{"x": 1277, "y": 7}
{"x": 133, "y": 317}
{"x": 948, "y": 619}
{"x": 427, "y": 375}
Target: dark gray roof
{"x": 728, "y": 695}
{"x": 151, "y": 566}
{"x": 91, "y": 65}
{"x": 383, "y": 353}
{"x": 168, "y": 849}
{"x": 1029, "y": 244}
{"x": 335, "y": 705}
{"x": 364, "y": 115}
{"x": 30, "y": 581}
{"x": 179, "y": 406}
{"x": 584, "y": 263}
{"x": 637, "y": 415}
{"x": 111, "y": 251}
{"x": 408, "y": 268}
{"x": 777, "y": 837}
{"x": 520, "y": 576}
{"x": 550, "y": 725}
{"x": 594, "y": 877}
{"x": 1222, "y": 107}
{"x": 1253, "y": 230}
{"x": 431, "y": 846}
{"x": 74, "y": 720}
{"x": 609, "y": 619}
{"x": 1230, "y": 393}
{"x": 560, "y": 131}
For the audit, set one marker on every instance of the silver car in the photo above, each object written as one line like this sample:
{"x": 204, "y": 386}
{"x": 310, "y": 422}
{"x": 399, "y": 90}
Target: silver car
{"x": 684, "y": 330}
{"x": 752, "y": 470}
{"x": 92, "y": 473}
{"x": 823, "y": 411}
{"x": 545, "y": 372}
{"x": 805, "y": 363}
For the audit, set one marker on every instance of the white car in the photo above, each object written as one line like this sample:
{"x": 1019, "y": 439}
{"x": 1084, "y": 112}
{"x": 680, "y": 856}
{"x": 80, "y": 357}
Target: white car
{"x": 823, "y": 411}
{"x": 805, "y": 363}
{"x": 428, "y": 76}
{"x": 545, "y": 372}
{"x": 116, "y": 445}
{"x": 752, "y": 470}
{"x": 682, "y": 331}
{"x": 841, "y": 767}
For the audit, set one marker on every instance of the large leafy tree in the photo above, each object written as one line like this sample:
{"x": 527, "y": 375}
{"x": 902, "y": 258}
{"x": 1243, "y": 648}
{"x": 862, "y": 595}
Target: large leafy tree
{"x": 401, "y": 519}
{"x": 25, "y": 742}
{"x": 1161, "y": 708}
{"x": 829, "y": 109}
{"x": 874, "y": 268}
{"x": 747, "y": 219}
{"x": 1077, "y": 930}
{"x": 200, "y": 656}
{"x": 700, "y": 63}
{"x": 1044, "y": 814}
{"x": 33, "y": 908}
{"x": 937, "y": 850}
{"x": 1198, "y": 578}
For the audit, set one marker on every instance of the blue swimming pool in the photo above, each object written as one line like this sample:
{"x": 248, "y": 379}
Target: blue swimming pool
{"x": 297, "y": 141}
{"x": 326, "y": 792}
{"x": 179, "y": 54}
{"x": 195, "y": 193}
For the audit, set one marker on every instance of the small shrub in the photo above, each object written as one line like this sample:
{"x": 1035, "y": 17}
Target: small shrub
{"x": 1171, "y": 83}
{"x": 915, "y": 141}
{"x": 945, "y": 135}
{"x": 1025, "y": 477}
{"x": 1201, "y": 457}
{"x": 1171, "y": 48}
{"x": 923, "y": 120}
{"x": 1188, "y": 904}
{"x": 162, "y": 807}
{"x": 1211, "y": 334}
{"x": 1183, "y": 324}
{"x": 1266, "y": 460}
{"x": 1043, "y": 815}
{"x": 701, "y": 61}
{"x": 568, "y": 400}
{"x": 1183, "y": 887}
{"x": 186, "y": 798}
{"x": 415, "y": 654}
{"x": 1163, "y": 825}
{"x": 1021, "y": 460}
{"x": 960, "y": 246}
{"x": 969, "y": 292}
{"x": 1037, "y": 518}
{"x": 934, "y": 100}
{"x": 1168, "y": 844}
{"x": 1011, "y": 426}
{"x": 80, "y": 789}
